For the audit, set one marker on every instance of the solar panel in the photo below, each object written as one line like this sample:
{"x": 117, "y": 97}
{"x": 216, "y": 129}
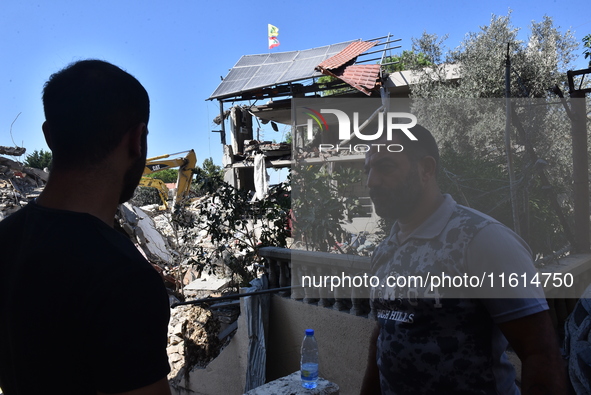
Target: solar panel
{"x": 251, "y": 60}
{"x": 264, "y": 70}
{"x": 267, "y": 74}
{"x": 302, "y": 71}
{"x": 281, "y": 57}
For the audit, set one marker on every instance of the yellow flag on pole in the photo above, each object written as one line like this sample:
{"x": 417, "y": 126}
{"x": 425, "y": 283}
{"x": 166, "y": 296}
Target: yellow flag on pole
{"x": 273, "y": 33}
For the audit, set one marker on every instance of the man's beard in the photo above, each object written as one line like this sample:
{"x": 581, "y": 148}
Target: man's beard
{"x": 395, "y": 203}
{"x": 131, "y": 180}
{"x": 132, "y": 176}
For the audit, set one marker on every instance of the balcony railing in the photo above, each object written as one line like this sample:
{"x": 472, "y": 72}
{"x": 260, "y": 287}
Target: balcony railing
{"x": 283, "y": 273}
{"x": 318, "y": 264}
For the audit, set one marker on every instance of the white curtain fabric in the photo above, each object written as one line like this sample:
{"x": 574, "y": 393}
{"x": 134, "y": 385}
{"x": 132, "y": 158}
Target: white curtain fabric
{"x": 261, "y": 179}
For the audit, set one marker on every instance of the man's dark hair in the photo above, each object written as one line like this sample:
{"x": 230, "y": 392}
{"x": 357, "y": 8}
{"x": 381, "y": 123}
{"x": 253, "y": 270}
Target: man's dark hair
{"x": 424, "y": 145}
{"x": 89, "y": 106}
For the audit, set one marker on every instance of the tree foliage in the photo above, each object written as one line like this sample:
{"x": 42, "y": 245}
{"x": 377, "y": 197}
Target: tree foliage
{"x": 406, "y": 60}
{"x": 467, "y": 116}
{"x": 537, "y": 65}
{"x": 235, "y": 226}
{"x": 328, "y": 80}
{"x": 322, "y": 202}
{"x": 166, "y": 175}
{"x": 207, "y": 178}
{"x": 211, "y": 169}
{"x": 587, "y": 47}
{"x": 39, "y": 159}
{"x": 481, "y": 183}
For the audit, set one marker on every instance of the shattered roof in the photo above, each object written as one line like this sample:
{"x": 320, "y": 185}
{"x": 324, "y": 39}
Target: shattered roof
{"x": 349, "y": 53}
{"x": 361, "y": 77}
{"x": 265, "y": 70}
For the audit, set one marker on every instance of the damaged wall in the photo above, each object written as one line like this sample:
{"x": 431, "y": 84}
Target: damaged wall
{"x": 343, "y": 344}
{"x": 226, "y": 374}
{"x": 18, "y": 184}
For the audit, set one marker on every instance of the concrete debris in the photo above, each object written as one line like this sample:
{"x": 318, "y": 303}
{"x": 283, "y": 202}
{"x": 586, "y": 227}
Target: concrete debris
{"x": 141, "y": 228}
{"x": 191, "y": 275}
{"x": 18, "y": 167}
{"x": 12, "y": 151}
{"x": 18, "y": 185}
{"x": 200, "y": 334}
{"x": 218, "y": 120}
{"x": 196, "y": 336}
{"x": 150, "y": 238}
{"x": 169, "y": 253}
{"x": 207, "y": 282}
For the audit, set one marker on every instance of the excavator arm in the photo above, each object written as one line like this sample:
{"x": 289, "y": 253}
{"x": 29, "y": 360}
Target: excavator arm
{"x": 162, "y": 162}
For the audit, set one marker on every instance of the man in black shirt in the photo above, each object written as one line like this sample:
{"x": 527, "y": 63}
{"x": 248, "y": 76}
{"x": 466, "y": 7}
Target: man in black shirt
{"x": 81, "y": 311}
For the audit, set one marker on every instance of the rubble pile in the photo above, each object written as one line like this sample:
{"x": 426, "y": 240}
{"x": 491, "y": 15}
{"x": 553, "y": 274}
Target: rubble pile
{"x": 18, "y": 184}
{"x": 268, "y": 148}
{"x": 200, "y": 331}
{"x": 197, "y": 335}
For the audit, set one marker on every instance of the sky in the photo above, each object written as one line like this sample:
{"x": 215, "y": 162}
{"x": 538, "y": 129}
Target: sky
{"x": 179, "y": 49}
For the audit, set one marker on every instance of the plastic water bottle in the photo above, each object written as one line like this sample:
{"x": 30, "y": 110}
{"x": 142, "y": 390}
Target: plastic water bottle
{"x": 309, "y": 362}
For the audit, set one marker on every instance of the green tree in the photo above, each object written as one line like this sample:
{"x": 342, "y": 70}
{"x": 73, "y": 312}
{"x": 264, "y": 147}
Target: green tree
{"x": 471, "y": 132}
{"x": 166, "y": 175}
{"x": 211, "y": 169}
{"x": 537, "y": 65}
{"x": 587, "y": 46}
{"x": 327, "y": 81}
{"x": 38, "y": 159}
{"x": 322, "y": 202}
{"x": 208, "y": 178}
{"x": 235, "y": 226}
{"x": 407, "y": 60}
{"x": 288, "y": 138}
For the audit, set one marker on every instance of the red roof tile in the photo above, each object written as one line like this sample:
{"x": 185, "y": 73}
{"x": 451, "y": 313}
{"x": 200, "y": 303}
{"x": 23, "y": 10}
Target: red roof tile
{"x": 362, "y": 77}
{"x": 349, "y": 53}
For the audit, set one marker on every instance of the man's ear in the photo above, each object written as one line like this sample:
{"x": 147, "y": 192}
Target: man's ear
{"x": 136, "y": 140}
{"x": 45, "y": 128}
{"x": 428, "y": 168}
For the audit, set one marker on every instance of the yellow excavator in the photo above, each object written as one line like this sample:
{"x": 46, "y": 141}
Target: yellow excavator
{"x": 158, "y": 163}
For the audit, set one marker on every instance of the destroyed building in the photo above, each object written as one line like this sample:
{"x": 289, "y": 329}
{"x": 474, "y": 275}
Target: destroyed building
{"x": 19, "y": 184}
{"x": 356, "y": 70}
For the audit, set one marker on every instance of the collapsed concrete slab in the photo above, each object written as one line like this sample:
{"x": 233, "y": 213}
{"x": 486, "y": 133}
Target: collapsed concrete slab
{"x": 16, "y": 166}
{"x": 18, "y": 185}
{"x": 207, "y": 282}
{"x": 153, "y": 241}
{"x": 12, "y": 151}
{"x": 138, "y": 225}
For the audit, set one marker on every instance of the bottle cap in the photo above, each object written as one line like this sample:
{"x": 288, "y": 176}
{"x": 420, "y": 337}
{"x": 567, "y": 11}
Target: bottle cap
{"x": 309, "y": 332}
